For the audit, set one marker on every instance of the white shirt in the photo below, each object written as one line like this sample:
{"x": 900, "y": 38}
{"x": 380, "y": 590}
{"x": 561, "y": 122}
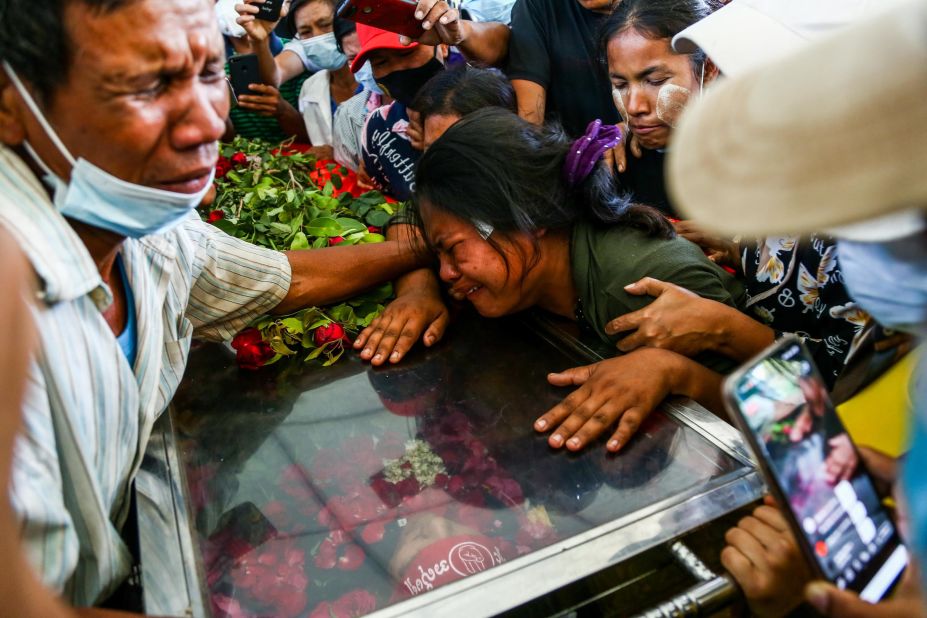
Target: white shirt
{"x": 87, "y": 414}
{"x": 315, "y": 104}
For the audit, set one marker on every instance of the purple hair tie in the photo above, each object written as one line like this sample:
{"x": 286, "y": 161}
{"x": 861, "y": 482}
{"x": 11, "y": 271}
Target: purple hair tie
{"x": 586, "y": 151}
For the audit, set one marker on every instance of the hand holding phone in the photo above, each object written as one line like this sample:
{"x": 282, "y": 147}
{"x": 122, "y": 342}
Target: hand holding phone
{"x": 270, "y": 10}
{"x": 243, "y": 71}
{"x": 391, "y": 15}
{"x": 780, "y": 403}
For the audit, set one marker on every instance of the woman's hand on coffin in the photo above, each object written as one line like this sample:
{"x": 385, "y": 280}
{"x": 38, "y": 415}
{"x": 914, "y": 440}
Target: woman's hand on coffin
{"x": 391, "y": 335}
{"x": 624, "y": 389}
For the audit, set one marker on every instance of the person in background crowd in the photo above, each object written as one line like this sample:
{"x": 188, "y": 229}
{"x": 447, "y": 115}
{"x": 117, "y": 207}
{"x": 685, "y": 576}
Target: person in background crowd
{"x": 520, "y": 216}
{"x": 814, "y": 184}
{"x": 553, "y": 65}
{"x": 326, "y": 89}
{"x": 793, "y": 284}
{"x": 267, "y": 113}
{"x": 477, "y": 28}
{"x": 391, "y": 143}
{"x": 106, "y": 153}
{"x": 418, "y": 309}
{"x": 314, "y": 51}
{"x": 650, "y": 85}
{"x": 450, "y": 95}
{"x": 349, "y": 118}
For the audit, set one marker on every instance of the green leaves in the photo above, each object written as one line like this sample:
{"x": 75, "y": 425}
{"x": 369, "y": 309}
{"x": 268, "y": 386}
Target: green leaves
{"x": 274, "y": 200}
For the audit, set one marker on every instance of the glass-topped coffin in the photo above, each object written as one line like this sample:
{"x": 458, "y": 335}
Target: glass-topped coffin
{"x": 345, "y": 490}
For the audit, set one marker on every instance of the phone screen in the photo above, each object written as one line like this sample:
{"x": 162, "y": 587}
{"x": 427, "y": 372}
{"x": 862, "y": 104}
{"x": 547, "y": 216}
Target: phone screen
{"x": 796, "y": 430}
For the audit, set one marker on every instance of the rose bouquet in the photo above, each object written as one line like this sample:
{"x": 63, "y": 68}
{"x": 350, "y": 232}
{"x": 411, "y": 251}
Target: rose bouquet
{"x": 282, "y": 198}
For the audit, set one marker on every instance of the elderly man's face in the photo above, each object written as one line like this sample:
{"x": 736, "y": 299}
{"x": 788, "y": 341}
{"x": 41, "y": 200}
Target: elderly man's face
{"x": 145, "y": 98}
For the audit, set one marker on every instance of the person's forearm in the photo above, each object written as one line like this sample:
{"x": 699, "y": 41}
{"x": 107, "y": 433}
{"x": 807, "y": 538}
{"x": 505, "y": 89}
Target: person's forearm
{"x": 292, "y": 122}
{"x": 267, "y": 64}
{"x": 741, "y": 337}
{"x": 324, "y": 276}
{"x": 486, "y": 43}
{"x": 690, "y": 379}
{"x": 531, "y": 99}
{"x": 420, "y": 280}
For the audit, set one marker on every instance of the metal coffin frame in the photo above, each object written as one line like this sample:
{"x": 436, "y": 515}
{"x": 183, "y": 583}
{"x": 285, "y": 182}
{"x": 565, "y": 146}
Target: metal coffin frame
{"x": 171, "y": 567}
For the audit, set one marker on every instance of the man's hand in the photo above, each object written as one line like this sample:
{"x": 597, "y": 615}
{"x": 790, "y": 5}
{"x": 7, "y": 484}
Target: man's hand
{"x": 719, "y": 250}
{"x": 395, "y": 331}
{"x": 364, "y": 181}
{"x": 677, "y": 319}
{"x": 440, "y": 24}
{"x": 625, "y": 389}
{"x": 764, "y": 558}
{"x": 258, "y": 30}
{"x": 267, "y": 101}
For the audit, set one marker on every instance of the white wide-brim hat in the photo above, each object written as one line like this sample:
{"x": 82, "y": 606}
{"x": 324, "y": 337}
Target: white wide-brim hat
{"x": 831, "y": 135}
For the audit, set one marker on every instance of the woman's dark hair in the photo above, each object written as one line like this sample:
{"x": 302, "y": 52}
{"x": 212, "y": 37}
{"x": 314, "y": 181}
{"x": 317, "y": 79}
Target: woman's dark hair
{"x": 497, "y": 168}
{"x": 656, "y": 19}
{"x": 342, "y": 28}
{"x": 462, "y": 90}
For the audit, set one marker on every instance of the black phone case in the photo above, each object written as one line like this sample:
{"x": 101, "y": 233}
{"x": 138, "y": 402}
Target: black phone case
{"x": 270, "y": 10}
{"x": 243, "y": 71}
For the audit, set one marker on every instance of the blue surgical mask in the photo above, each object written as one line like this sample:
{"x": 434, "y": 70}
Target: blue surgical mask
{"x": 99, "y": 199}
{"x": 364, "y": 77}
{"x": 322, "y": 51}
{"x": 889, "y": 280}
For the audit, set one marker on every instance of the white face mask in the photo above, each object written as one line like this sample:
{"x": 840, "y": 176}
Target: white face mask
{"x": 365, "y": 78}
{"x": 99, "y": 199}
{"x": 322, "y": 51}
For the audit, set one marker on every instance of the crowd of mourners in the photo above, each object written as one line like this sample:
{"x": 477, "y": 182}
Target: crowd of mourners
{"x": 674, "y": 177}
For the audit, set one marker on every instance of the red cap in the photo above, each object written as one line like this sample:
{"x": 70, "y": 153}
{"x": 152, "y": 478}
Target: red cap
{"x": 371, "y": 39}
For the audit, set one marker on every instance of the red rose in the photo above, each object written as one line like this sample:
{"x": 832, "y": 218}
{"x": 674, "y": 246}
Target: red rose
{"x": 223, "y": 166}
{"x": 239, "y": 158}
{"x": 335, "y": 240}
{"x": 214, "y": 215}
{"x": 325, "y": 334}
{"x": 373, "y": 229}
{"x": 251, "y": 349}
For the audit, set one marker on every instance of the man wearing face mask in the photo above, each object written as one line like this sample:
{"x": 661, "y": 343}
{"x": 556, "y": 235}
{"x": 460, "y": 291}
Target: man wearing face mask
{"x": 105, "y": 154}
{"x": 728, "y": 154}
{"x": 389, "y": 150}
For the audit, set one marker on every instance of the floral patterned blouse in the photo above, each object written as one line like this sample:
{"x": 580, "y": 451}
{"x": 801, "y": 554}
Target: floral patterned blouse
{"x": 794, "y": 285}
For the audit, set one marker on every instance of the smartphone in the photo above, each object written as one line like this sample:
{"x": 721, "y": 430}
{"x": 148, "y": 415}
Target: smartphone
{"x": 781, "y": 404}
{"x": 392, "y": 15}
{"x": 269, "y": 10}
{"x": 243, "y": 71}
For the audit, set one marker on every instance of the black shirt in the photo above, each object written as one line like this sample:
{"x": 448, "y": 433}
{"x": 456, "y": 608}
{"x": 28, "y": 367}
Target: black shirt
{"x": 644, "y": 180}
{"x": 553, "y": 44}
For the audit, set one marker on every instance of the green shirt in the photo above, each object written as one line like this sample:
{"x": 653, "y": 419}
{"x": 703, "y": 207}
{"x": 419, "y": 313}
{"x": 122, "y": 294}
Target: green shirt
{"x": 607, "y": 258}
{"x": 251, "y": 125}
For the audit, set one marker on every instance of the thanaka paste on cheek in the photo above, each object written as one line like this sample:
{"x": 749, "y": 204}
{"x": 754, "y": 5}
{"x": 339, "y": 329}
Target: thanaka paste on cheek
{"x": 619, "y": 103}
{"x": 671, "y": 101}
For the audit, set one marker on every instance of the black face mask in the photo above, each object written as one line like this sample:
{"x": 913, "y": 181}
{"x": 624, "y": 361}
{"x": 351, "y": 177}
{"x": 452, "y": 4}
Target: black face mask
{"x": 404, "y": 85}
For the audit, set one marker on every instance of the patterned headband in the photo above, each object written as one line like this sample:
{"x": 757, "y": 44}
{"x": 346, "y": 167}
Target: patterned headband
{"x": 585, "y": 152}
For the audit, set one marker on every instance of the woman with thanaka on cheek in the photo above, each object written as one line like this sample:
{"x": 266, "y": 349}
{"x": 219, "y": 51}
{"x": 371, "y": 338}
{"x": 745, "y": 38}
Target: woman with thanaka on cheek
{"x": 793, "y": 284}
{"x": 650, "y": 87}
{"x": 521, "y": 217}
